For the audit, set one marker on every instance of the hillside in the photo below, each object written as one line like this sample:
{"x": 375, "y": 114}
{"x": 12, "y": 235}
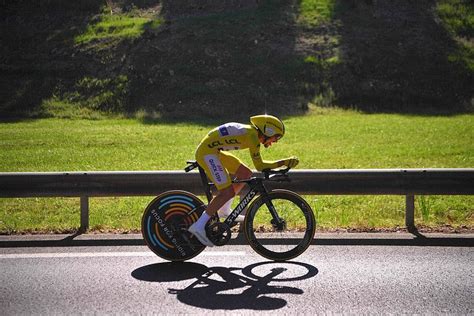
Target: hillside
{"x": 228, "y": 59}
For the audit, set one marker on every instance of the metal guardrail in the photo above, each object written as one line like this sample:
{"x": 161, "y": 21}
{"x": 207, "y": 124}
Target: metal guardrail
{"x": 408, "y": 182}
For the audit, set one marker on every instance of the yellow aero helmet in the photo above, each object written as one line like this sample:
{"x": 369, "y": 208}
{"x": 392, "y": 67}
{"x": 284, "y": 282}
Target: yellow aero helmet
{"x": 268, "y": 125}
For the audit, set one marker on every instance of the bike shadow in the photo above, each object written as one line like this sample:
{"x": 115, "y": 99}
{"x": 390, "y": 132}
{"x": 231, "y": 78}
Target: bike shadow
{"x": 252, "y": 287}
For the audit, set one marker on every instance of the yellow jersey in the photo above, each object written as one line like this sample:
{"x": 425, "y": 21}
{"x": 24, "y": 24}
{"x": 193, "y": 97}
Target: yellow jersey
{"x": 212, "y": 153}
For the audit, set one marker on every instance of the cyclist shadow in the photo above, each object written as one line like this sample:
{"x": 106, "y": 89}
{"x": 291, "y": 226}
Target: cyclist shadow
{"x": 228, "y": 288}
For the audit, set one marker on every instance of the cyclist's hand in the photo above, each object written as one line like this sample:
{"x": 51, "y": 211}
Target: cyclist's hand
{"x": 291, "y": 162}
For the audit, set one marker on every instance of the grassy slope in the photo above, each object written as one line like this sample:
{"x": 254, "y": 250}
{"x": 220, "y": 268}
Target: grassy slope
{"x": 336, "y": 139}
{"x": 231, "y": 59}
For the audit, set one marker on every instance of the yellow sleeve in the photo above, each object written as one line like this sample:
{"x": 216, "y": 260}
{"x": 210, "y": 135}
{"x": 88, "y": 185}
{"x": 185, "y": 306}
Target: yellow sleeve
{"x": 258, "y": 162}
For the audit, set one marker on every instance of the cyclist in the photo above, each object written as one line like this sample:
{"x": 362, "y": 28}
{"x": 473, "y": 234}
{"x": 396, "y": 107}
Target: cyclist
{"x": 213, "y": 156}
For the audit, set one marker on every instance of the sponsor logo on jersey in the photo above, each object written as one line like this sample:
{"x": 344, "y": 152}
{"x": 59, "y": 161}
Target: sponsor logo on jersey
{"x": 216, "y": 169}
{"x": 218, "y": 143}
{"x": 215, "y": 144}
{"x": 223, "y": 131}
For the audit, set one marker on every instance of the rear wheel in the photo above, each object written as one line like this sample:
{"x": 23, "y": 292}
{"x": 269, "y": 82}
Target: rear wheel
{"x": 280, "y": 226}
{"x": 165, "y": 224}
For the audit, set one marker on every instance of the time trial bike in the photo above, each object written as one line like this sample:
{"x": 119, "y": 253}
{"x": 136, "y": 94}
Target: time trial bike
{"x": 279, "y": 224}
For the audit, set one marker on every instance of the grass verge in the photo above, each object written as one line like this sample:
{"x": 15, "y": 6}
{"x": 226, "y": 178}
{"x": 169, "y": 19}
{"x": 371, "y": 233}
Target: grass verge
{"x": 324, "y": 139}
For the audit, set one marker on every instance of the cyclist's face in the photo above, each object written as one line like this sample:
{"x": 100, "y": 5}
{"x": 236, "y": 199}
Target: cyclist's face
{"x": 271, "y": 140}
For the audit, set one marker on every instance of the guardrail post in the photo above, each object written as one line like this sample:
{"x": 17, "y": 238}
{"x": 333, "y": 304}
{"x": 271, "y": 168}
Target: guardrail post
{"x": 410, "y": 212}
{"x": 84, "y": 213}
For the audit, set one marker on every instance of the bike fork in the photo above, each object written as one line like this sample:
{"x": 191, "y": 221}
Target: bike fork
{"x": 277, "y": 222}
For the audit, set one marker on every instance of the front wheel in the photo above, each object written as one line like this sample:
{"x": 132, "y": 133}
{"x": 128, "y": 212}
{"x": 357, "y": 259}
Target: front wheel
{"x": 280, "y": 225}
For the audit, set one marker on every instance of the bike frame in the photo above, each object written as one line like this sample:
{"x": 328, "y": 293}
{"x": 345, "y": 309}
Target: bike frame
{"x": 256, "y": 187}
{"x": 243, "y": 204}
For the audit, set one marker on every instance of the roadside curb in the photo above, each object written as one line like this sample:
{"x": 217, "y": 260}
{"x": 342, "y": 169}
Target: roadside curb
{"x": 320, "y": 239}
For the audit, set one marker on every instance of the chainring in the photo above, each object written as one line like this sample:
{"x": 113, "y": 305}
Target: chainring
{"x": 219, "y": 233}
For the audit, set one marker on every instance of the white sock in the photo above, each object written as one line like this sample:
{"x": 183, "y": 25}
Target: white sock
{"x": 201, "y": 222}
{"x": 227, "y": 207}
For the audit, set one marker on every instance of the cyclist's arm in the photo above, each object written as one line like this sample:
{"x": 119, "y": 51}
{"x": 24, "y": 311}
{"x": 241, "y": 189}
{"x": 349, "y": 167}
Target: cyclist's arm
{"x": 261, "y": 164}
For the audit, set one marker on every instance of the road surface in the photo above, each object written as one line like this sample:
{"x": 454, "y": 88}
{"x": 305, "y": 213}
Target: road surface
{"x": 338, "y": 274}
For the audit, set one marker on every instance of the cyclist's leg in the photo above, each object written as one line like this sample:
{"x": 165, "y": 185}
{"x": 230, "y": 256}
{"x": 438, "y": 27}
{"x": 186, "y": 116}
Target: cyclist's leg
{"x": 199, "y": 227}
{"x": 216, "y": 166}
{"x": 220, "y": 199}
{"x": 236, "y": 167}
{"x": 239, "y": 171}
{"x": 242, "y": 173}
{"x": 219, "y": 175}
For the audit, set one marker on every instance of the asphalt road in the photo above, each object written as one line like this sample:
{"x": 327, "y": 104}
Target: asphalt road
{"x": 339, "y": 274}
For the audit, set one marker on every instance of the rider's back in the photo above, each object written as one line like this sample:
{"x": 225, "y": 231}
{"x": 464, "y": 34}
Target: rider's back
{"x": 230, "y": 136}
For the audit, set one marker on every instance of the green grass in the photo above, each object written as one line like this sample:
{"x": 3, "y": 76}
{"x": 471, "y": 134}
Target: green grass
{"x": 324, "y": 139}
{"x": 315, "y": 12}
{"x": 116, "y": 26}
{"x": 92, "y": 98}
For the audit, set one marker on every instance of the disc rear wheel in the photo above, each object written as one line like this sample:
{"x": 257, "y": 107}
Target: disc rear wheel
{"x": 165, "y": 224}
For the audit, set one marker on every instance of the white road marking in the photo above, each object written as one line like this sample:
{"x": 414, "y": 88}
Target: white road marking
{"x": 108, "y": 254}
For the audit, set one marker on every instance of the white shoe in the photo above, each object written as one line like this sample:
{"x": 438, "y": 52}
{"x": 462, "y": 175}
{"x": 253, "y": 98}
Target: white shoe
{"x": 223, "y": 214}
{"x": 200, "y": 235}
